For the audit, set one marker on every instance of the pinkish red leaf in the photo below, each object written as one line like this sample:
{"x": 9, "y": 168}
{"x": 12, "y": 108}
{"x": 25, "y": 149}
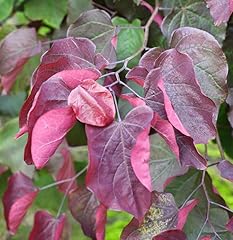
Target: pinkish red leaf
{"x": 184, "y": 212}
{"x": 15, "y": 49}
{"x": 86, "y": 209}
{"x": 92, "y": 103}
{"x": 226, "y": 170}
{"x": 17, "y": 199}
{"x": 137, "y": 75}
{"x": 206, "y": 238}
{"x": 48, "y": 133}
{"x": 229, "y": 225}
{"x": 110, "y": 174}
{"x": 47, "y": 227}
{"x": 161, "y": 216}
{"x": 171, "y": 235}
{"x": 140, "y": 156}
{"x": 183, "y": 95}
{"x": 220, "y": 10}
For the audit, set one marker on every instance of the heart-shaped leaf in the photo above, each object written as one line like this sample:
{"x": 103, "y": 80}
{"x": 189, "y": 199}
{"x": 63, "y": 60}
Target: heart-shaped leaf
{"x": 110, "y": 174}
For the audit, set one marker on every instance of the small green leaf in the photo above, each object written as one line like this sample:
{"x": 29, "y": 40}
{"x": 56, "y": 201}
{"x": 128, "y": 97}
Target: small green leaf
{"x": 6, "y": 7}
{"x": 130, "y": 39}
{"x": 11, "y": 150}
{"x": 51, "y": 12}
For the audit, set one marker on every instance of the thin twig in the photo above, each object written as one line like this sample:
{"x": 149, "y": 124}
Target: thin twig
{"x": 68, "y": 189}
{"x": 115, "y": 102}
{"x": 220, "y": 146}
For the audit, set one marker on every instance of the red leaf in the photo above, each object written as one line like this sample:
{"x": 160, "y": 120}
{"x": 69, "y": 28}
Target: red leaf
{"x": 15, "y": 49}
{"x": 138, "y": 75}
{"x": 66, "y": 171}
{"x": 226, "y": 170}
{"x": 48, "y": 133}
{"x": 220, "y": 10}
{"x": 17, "y": 199}
{"x": 47, "y": 227}
{"x": 183, "y": 213}
{"x": 92, "y": 103}
{"x": 88, "y": 212}
{"x": 110, "y": 174}
{"x": 206, "y": 238}
{"x": 183, "y": 95}
{"x": 229, "y": 225}
{"x": 171, "y": 235}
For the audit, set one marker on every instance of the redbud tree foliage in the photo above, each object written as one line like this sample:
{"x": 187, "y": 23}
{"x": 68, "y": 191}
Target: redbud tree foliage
{"x": 146, "y": 87}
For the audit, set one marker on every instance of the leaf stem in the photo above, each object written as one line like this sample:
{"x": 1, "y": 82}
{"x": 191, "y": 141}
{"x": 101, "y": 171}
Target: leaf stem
{"x": 115, "y": 102}
{"x": 220, "y": 146}
{"x": 68, "y": 189}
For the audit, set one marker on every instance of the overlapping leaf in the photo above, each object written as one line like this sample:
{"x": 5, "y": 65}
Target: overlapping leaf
{"x": 110, "y": 174}
{"x": 171, "y": 235}
{"x": 86, "y": 209}
{"x": 47, "y": 227}
{"x": 163, "y": 163}
{"x": 17, "y": 199}
{"x": 226, "y": 169}
{"x": 191, "y": 13}
{"x": 209, "y": 61}
{"x": 97, "y": 26}
{"x": 220, "y": 10}
{"x": 182, "y": 95}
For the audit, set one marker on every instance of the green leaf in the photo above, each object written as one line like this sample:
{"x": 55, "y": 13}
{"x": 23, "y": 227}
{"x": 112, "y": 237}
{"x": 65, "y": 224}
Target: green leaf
{"x": 97, "y": 26}
{"x": 11, "y": 104}
{"x": 163, "y": 163}
{"x": 129, "y": 40}
{"x": 6, "y": 8}
{"x": 11, "y": 150}
{"x": 18, "y": 19}
{"x": 191, "y": 13}
{"x": 181, "y": 188}
{"x": 137, "y": 1}
{"x": 75, "y": 8}
{"x": 51, "y": 12}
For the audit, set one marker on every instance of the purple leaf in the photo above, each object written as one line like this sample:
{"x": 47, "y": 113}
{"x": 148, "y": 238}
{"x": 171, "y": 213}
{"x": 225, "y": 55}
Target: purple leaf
{"x": 97, "y": 26}
{"x": 171, "y": 235}
{"x": 92, "y": 103}
{"x": 183, "y": 95}
{"x": 184, "y": 212}
{"x": 220, "y": 10}
{"x": 229, "y": 225}
{"x": 163, "y": 163}
{"x": 226, "y": 170}
{"x": 188, "y": 153}
{"x": 209, "y": 61}
{"x": 48, "y": 133}
{"x": 110, "y": 174}
{"x": 161, "y": 216}
{"x": 15, "y": 49}
{"x": 47, "y": 227}
{"x": 138, "y": 75}
{"x": 17, "y": 199}
{"x": 80, "y": 51}
{"x": 148, "y": 59}
{"x": 88, "y": 212}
